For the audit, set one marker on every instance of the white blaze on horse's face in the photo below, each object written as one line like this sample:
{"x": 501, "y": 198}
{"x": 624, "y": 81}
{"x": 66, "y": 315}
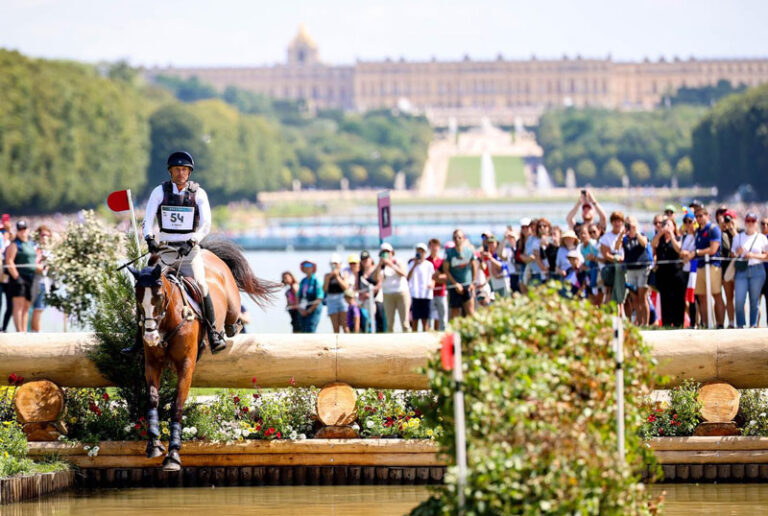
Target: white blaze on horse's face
{"x": 151, "y": 333}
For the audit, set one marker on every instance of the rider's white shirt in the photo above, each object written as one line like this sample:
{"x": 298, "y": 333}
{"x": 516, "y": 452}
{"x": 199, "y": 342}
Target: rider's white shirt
{"x": 204, "y": 227}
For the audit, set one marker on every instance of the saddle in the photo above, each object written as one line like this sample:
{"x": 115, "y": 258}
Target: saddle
{"x": 192, "y": 295}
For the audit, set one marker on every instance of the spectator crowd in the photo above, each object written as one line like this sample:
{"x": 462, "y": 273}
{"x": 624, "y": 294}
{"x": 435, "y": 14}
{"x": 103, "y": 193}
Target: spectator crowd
{"x": 24, "y": 279}
{"x": 692, "y": 269}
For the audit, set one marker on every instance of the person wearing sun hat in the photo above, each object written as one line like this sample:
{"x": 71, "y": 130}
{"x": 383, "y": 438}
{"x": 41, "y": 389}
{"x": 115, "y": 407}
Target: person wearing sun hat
{"x": 669, "y": 211}
{"x": 311, "y": 296}
{"x": 397, "y": 299}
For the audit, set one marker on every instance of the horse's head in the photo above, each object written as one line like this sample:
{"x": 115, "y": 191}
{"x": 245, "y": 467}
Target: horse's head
{"x": 151, "y": 301}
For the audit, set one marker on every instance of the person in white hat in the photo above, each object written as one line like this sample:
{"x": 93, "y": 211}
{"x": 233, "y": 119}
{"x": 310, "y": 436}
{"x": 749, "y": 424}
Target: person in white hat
{"x": 394, "y": 285}
{"x": 568, "y": 242}
{"x": 334, "y": 284}
{"x": 421, "y": 283}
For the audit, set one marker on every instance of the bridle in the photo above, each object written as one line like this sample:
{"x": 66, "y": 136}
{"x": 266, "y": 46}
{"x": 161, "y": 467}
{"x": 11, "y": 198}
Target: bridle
{"x": 142, "y": 317}
{"x": 187, "y": 314}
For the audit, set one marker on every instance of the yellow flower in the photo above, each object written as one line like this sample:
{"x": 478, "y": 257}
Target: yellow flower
{"x": 73, "y": 420}
{"x": 430, "y": 433}
{"x": 166, "y": 431}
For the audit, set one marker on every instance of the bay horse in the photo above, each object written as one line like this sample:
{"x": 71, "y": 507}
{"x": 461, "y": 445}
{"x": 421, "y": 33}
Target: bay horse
{"x": 173, "y": 333}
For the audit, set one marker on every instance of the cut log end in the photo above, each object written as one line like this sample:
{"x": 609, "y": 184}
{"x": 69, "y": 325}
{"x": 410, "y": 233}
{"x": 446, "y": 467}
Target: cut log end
{"x": 336, "y": 404}
{"x": 39, "y": 401}
{"x": 719, "y": 402}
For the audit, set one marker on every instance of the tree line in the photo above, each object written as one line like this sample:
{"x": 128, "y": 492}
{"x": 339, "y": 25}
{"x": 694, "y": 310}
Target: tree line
{"x": 71, "y": 133}
{"x": 730, "y": 143}
{"x": 608, "y": 148}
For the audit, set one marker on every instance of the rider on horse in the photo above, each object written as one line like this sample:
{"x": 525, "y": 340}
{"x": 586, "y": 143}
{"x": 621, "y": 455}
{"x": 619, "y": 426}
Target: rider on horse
{"x": 184, "y": 216}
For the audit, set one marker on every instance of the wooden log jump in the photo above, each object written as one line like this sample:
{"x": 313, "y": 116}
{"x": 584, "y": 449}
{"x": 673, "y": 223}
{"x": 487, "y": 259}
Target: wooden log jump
{"x": 738, "y": 357}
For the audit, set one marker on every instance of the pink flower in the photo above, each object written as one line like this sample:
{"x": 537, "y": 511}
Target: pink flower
{"x": 292, "y": 382}
{"x": 381, "y": 395}
{"x": 253, "y": 380}
{"x": 236, "y": 399}
{"x": 651, "y": 418}
{"x": 105, "y": 396}
{"x": 278, "y": 435}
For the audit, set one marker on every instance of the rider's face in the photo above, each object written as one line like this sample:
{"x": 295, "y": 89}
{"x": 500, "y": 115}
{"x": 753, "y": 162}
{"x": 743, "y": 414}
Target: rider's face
{"x": 179, "y": 174}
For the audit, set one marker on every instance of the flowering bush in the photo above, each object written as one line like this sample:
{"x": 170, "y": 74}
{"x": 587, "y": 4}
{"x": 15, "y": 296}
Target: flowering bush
{"x": 80, "y": 262}
{"x": 753, "y": 410}
{"x": 678, "y": 417}
{"x": 7, "y": 412}
{"x": 285, "y": 414}
{"x": 386, "y": 413}
{"x": 539, "y": 386}
{"x": 92, "y": 416}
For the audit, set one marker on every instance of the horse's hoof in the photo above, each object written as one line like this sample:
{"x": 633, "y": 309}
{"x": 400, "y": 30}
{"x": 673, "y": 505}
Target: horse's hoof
{"x": 155, "y": 449}
{"x": 172, "y": 461}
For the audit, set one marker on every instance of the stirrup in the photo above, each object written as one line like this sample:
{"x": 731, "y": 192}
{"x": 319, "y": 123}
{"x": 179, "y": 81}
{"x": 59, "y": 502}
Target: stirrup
{"x": 216, "y": 341}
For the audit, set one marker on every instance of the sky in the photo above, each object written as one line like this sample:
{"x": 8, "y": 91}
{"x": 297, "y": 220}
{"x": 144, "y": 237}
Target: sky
{"x": 254, "y": 32}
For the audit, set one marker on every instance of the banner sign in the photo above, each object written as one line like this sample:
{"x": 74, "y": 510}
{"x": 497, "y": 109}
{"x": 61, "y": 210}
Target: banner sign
{"x": 385, "y": 215}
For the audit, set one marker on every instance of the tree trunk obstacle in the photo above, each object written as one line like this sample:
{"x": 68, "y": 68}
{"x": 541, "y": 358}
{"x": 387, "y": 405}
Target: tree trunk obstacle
{"x": 39, "y": 405}
{"x": 719, "y": 405}
{"x": 737, "y": 357}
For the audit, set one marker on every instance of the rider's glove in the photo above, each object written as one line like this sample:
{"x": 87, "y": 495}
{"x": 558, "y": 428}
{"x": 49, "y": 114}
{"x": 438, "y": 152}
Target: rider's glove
{"x": 152, "y": 244}
{"x": 186, "y": 247}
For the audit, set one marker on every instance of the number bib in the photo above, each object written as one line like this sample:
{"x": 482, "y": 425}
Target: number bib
{"x": 177, "y": 218}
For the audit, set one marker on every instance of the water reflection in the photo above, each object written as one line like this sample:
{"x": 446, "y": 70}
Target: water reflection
{"x": 714, "y": 499}
{"x": 680, "y": 499}
{"x": 290, "y": 500}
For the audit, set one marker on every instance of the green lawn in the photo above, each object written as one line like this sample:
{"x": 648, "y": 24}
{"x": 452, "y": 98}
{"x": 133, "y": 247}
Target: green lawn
{"x": 463, "y": 171}
{"x": 509, "y": 170}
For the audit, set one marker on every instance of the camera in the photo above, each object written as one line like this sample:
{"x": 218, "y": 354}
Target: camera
{"x": 583, "y": 192}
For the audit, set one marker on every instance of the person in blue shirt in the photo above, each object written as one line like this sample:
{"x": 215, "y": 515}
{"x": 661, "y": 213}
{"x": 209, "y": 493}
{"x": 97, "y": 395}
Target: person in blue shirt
{"x": 708, "y": 240}
{"x": 310, "y": 297}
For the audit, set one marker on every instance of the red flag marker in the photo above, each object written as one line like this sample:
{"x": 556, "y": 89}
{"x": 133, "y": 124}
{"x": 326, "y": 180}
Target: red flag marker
{"x": 118, "y": 201}
{"x": 446, "y": 352}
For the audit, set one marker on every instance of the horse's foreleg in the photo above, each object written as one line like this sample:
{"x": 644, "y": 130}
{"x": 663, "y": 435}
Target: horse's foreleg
{"x": 152, "y": 372}
{"x": 184, "y": 372}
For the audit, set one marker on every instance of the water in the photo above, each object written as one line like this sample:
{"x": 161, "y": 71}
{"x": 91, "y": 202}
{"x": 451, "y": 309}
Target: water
{"x": 230, "y": 501}
{"x": 680, "y": 499}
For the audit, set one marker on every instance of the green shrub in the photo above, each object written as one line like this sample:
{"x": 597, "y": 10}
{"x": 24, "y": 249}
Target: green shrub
{"x": 540, "y": 405}
{"x": 753, "y": 410}
{"x": 13, "y": 453}
{"x": 678, "y": 417}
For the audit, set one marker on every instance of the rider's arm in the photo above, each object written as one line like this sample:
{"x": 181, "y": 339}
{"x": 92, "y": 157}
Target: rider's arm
{"x": 204, "y": 208}
{"x": 155, "y": 198}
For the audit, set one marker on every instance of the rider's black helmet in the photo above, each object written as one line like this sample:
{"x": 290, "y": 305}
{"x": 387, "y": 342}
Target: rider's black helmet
{"x": 181, "y": 159}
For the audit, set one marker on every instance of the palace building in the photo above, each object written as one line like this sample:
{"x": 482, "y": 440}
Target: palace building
{"x": 501, "y": 90}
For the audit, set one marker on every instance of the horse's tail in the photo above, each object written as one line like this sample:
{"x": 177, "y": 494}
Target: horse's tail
{"x": 261, "y": 291}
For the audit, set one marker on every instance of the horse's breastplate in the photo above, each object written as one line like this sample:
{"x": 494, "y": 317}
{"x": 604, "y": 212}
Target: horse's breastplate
{"x": 178, "y": 213}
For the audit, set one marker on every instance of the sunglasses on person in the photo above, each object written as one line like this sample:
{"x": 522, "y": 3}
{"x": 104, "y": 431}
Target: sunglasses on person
{"x": 750, "y": 220}
{"x": 669, "y": 212}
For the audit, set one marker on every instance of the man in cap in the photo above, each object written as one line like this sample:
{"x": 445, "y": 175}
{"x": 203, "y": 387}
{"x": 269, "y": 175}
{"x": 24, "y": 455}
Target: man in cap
{"x": 589, "y": 206}
{"x": 184, "y": 217}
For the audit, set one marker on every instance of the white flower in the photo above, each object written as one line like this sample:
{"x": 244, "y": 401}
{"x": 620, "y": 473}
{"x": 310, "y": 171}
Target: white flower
{"x": 356, "y": 426}
{"x": 762, "y": 414}
{"x": 62, "y": 438}
{"x": 167, "y": 406}
{"x": 93, "y": 451}
{"x": 127, "y": 429}
{"x": 369, "y": 423}
{"x": 293, "y": 436}
{"x": 302, "y": 436}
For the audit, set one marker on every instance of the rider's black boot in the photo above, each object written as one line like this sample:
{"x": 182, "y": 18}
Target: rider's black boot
{"x": 136, "y": 346}
{"x": 215, "y": 338}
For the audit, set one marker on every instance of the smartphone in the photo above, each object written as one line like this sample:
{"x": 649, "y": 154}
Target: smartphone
{"x": 626, "y": 226}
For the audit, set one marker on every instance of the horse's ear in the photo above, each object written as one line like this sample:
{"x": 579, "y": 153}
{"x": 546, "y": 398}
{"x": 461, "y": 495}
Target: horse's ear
{"x": 133, "y": 272}
{"x": 157, "y": 272}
